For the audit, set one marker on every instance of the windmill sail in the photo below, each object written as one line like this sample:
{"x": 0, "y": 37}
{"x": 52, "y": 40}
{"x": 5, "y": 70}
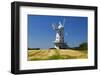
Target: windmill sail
{"x": 63, "y": 21}
{"x": 54, "y": 26}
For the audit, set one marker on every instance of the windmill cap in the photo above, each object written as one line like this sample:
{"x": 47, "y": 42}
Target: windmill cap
{"x": 60, "y": 25}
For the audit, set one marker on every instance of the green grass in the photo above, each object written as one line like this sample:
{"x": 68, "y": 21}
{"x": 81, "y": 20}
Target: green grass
{"x": 55, "y": 57}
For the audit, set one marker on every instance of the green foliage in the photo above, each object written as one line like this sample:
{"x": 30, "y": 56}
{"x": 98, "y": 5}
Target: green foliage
{"x": 82, "y": 46}
{"x": 33, "y": 48}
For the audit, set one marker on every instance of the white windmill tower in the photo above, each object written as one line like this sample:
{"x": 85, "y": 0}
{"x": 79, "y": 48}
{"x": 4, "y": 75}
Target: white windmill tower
{"x": 59, "y": 41}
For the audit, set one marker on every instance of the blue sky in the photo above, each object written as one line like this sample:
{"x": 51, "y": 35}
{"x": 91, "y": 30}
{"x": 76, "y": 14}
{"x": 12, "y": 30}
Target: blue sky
{"x": 42, "y": 35}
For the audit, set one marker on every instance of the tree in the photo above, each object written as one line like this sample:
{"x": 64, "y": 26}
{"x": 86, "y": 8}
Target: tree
{"x": 83, "y": 46}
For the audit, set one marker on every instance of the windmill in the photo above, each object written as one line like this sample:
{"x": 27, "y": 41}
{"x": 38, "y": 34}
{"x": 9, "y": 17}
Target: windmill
{"x": 59, "y": 41}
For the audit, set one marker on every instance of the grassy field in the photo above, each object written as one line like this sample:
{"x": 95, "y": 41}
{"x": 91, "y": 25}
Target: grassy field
{"x": 54, "y": 54}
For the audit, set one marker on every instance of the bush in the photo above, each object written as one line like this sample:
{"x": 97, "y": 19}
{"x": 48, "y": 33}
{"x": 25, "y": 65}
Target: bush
{"x": 33, "y": 48}
{"x": 82, "y": 46}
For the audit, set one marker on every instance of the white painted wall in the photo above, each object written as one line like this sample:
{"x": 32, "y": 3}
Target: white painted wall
{"x": 5, "y": 41}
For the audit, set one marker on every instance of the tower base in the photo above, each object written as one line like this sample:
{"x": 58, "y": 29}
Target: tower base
{"x": 61, "y": 45}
